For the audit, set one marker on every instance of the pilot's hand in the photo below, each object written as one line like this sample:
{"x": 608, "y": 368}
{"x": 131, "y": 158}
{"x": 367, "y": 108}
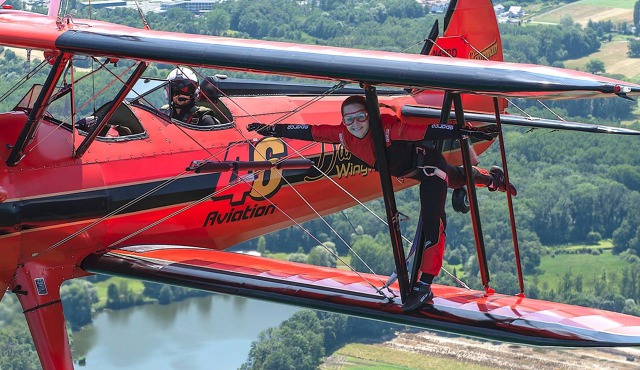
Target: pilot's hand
{"x": 262, "y": 129}
{"x": 86, "y": 123}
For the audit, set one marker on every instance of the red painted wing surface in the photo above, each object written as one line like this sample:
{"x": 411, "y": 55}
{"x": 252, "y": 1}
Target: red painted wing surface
{"x": 470, "y": 312}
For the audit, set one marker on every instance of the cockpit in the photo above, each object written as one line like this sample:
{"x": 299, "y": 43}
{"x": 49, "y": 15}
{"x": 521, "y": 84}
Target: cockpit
{"x": 150, "y": 94}
{"x": 153, "y": 95}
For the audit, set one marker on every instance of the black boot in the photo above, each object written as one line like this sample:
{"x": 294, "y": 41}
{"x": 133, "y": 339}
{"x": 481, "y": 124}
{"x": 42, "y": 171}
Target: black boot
{"x": 420, "y": 296}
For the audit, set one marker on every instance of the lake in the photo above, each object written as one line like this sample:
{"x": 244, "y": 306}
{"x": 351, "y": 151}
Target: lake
{"x": 213, "y": 332}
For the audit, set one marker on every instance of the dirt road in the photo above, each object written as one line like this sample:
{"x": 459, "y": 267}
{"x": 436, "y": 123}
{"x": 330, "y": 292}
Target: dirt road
{"x": 467, "y": 353}
{"x": 510, "y": 356}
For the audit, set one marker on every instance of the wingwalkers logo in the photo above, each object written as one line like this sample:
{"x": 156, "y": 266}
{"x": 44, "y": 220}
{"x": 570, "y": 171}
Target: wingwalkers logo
{"x": 333, "y": 160}
{"x": 338, "y": 161}
{"x": 485, "y": 53}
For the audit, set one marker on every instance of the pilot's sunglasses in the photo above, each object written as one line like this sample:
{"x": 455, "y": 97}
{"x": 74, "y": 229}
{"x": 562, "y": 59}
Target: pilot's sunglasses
{"x": 182, "y": 88}
{"x": 359, "y": 116}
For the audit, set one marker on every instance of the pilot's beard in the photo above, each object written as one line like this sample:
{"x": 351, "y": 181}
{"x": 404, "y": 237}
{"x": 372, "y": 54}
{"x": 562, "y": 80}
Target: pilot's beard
{"x": 182, "y": 99}
{"x": 182, "y": 103}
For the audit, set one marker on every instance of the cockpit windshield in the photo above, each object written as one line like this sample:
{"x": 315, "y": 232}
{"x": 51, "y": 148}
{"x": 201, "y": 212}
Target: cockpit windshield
{"x": 149, "y": 92}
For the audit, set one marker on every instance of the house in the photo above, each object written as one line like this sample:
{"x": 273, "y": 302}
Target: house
{"x": 516, "y": 12}
{"x": 436, "y": 6}
{"x": 192, "y": 6}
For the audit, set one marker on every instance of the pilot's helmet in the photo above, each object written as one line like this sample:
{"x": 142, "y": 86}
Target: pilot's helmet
{"x": 183, "y": 81}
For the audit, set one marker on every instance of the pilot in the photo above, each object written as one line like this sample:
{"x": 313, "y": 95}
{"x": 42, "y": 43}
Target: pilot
{"x": 412, "y": 153}
{"x": 184, "y": 91}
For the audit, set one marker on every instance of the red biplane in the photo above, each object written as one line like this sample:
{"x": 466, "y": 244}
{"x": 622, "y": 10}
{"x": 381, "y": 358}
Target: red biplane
{"x": 140, "y": 195}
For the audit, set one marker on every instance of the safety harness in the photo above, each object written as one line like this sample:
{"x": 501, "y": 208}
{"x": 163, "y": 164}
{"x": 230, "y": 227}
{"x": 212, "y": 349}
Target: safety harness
{"x": 421, "y": 151}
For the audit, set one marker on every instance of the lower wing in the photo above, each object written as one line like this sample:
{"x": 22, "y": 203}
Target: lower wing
{"x": 454, "y": 310}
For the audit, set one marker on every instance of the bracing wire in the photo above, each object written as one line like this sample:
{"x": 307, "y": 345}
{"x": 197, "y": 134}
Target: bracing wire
{"x": 208, "y": 197}
{"x": 337, "y": 86}
{"x": 66, "y": 119}
{"x": 507, "y": 99}
{"x": 288, "y": 114}
{"x": 461, "y": 283}
{"x": 24, "y": 79}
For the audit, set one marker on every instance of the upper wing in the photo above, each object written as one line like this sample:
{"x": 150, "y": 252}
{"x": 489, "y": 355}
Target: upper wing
{"x": 458, "y": 310}
{"x": 472, "y": 76}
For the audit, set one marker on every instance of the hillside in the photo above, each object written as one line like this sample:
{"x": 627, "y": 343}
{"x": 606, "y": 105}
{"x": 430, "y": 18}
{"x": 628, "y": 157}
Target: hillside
{"x": 614, "y": 53}
{"x": 610, "y": 53}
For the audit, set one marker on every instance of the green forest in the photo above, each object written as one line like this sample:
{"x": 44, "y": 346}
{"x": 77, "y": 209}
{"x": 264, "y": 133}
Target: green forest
{"x": 578, "y": 193}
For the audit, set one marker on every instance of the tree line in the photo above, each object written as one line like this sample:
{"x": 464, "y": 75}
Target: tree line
{"x": 301, "y": 342}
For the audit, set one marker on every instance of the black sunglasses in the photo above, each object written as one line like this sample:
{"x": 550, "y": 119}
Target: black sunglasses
{"x": 183, "y": 87}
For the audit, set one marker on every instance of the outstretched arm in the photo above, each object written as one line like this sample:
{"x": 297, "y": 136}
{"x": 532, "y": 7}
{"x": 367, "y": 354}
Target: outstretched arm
{"x": 320, "y": 133}
{"x": 440, "y": 131}
{"x": 414, "y": 131}
{"x": 291, "y": 131}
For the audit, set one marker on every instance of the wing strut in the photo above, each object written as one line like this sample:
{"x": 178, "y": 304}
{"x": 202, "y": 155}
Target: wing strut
{"x": 465, "y": 144}
{"x": 387, "y": 190}
{"x": 512, "y": 219}
{"x": 117, "y": 100}
{"x": 39, "y": 109}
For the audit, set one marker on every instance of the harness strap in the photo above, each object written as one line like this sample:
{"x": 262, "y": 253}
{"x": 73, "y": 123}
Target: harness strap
{"x": 434, "y": 171}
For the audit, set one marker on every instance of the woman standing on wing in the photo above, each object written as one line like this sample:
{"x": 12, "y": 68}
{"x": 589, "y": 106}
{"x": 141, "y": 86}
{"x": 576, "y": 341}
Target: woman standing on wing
{"x": 411, "y": 150}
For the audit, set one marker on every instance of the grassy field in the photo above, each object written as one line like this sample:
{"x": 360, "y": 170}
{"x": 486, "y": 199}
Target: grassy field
{"x": 583, "y": 11}
{"x": 588, "y": 265}
{"x": 278, "y": 256}
{"x": 358, "y": 356}
{"x": 624, "y": 4}
{"x": 614, "y": 56}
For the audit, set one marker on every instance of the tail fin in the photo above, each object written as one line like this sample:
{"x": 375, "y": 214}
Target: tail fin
{"x": 470, "y": 32}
